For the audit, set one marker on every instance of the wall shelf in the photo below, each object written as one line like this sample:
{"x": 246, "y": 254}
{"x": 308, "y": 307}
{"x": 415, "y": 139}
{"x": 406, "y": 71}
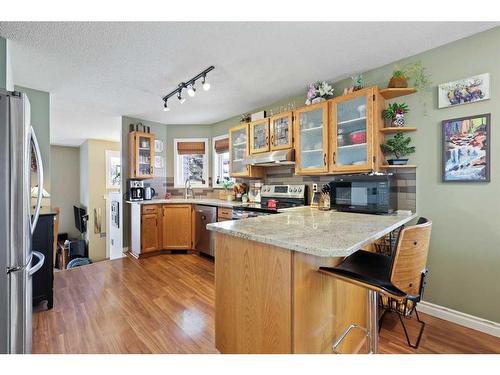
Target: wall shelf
{"x": 388, "y": 166}
{"x": 392, "y": 130}
{"x": 391, "y": 93}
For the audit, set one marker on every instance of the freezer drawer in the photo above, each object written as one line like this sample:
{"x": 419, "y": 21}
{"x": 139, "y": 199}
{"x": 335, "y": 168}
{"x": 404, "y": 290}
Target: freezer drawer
{"x": 204, "y": 239}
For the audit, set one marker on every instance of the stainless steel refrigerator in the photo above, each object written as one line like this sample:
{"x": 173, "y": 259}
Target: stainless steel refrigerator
{"x": 18, "y": 261}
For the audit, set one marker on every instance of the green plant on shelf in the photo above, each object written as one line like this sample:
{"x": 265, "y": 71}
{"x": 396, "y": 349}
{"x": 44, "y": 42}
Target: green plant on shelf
{"x": 395, "y": 109}
{"x": 398, "y": 146}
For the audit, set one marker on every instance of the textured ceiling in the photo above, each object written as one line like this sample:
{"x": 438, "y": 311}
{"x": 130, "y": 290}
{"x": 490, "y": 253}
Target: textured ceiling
{"x": 97, "y": 72}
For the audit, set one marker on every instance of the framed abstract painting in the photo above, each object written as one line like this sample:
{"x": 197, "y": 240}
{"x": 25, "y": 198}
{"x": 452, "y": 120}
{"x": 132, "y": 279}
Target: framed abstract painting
{"x": 464, "y": 91}
{"x": 466, "y": 149}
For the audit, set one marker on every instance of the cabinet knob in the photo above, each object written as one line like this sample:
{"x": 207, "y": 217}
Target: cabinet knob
{"x": 324, "y": 158}
{"x": 334, "y": 158}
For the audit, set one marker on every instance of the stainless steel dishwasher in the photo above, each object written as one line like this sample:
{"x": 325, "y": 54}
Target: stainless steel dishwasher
{"x": 204, "y": 238}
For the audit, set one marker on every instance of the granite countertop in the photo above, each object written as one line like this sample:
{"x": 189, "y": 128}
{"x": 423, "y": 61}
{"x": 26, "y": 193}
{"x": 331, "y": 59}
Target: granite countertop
{"x": 311, "y": 231}
{"x": 202, "y": 201}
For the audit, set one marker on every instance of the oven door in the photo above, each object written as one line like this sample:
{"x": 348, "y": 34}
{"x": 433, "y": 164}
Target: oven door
{"x": 360, "y": 196}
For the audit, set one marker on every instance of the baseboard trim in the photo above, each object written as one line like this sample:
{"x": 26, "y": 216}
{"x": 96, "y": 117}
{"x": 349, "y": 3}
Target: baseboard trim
{"x": 466, "y": 320}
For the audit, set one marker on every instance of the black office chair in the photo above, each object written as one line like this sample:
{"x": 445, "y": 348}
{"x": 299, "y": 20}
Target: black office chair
{"x": 399, "y": 277}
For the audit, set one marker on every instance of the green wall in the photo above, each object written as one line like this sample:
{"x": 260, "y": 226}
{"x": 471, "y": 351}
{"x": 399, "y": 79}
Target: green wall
{"x": 40, "y": 120}
{"x": 464, "y": 257}
{"x": 3, "y": 62}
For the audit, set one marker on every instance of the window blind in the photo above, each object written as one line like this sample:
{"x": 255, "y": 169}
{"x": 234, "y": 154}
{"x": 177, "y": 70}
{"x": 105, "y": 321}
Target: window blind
{"x": 222, "y": 145}
{"x": 191, "y": 148}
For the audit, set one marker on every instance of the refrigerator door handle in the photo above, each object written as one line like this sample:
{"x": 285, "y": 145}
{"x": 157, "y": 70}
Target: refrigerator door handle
{"x": 38, "y": 157}
{"x": 39, "y": 264}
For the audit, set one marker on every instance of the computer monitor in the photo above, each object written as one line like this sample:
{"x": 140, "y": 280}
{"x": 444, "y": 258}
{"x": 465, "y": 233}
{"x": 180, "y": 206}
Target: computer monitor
{"x": 80, "y": 219}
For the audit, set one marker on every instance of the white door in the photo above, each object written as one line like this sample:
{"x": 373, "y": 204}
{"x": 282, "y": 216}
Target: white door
{"x": 114, "y": 225}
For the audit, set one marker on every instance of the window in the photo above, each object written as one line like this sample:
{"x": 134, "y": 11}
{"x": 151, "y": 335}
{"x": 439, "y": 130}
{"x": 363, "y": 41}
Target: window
{"x": 221, "y": 164}
{"x": 191, "y": 162}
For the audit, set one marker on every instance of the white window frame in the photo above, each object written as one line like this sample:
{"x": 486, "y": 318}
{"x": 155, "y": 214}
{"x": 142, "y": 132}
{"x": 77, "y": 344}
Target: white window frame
{"x": 178, "y": 164}
{"x": 215, "y": 162}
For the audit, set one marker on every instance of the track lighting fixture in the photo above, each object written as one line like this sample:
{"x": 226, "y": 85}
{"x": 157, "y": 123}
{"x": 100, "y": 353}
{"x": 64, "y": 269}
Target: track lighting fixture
{"x": 189, "y": 86}
{"x": 206, "y": 85}
{"x": 181, "y": 99}
{"x": 191, "y": 90}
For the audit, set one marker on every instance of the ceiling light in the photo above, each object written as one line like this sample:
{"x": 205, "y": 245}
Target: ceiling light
{"x": 191, "y": 90}
{"x": 189, "y": 86}
{"x": 206, "y": 85}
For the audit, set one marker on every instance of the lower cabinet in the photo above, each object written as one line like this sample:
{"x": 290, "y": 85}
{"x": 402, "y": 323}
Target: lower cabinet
{"x": 177, "y": 227}
{"x": 150, "y": 229}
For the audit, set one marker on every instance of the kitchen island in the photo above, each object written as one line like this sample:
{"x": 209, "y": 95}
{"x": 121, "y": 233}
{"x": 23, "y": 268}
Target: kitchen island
{"x": 270, "y": 297}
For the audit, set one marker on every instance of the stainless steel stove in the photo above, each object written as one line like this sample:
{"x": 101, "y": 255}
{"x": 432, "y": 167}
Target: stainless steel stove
{"x": 273, "y": 199}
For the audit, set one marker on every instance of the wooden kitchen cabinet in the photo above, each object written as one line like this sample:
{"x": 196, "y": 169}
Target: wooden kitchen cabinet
{"x": 239, "y": 148}
{"x": 150, "y": 229}
{"x": 259, "y": 136}
{"x": 141, "y": 154}
{"x": 177, "y": 227}
{"x": 311, "y": 139}
{"x": 281, "y": 130}
{"x": 354, "y": 132}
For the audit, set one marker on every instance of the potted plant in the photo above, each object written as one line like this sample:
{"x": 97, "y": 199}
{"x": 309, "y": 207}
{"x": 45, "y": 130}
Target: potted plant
{"x": 318, "y": 92}
{"x": 228, "y": 184}
{"x": 398, "y": 146}
{"x": 398, "y": 79}
{"x": 395, "y": 114}
{"x": 415, "y": 72}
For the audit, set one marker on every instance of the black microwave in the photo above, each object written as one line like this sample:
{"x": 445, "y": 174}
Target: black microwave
{"x": 362, "y": 193}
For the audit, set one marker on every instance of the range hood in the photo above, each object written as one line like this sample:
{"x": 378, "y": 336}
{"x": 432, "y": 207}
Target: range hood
{"x": 272, "y": 159}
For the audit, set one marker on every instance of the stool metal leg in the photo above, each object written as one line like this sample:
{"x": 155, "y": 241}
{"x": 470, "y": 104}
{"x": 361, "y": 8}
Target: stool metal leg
{"x": 372, "y": 319}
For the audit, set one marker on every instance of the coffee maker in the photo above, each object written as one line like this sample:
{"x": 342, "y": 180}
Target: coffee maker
{"x": 135, "y": 190}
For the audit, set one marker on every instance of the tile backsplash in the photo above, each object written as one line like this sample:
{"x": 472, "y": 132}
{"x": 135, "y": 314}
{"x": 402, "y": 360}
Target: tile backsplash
{"x": 404, "y": 190}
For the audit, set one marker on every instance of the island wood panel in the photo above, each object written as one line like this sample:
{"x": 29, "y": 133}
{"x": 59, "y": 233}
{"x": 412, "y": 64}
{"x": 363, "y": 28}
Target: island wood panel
{"x": 323, "y": 307}
{"x": 253, "y": 299}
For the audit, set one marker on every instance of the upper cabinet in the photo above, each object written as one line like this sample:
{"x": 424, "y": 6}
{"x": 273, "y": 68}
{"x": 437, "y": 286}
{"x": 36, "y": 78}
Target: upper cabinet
{"x": 141, "y": 154}
{"x": 311, "y": 139}
{"x": 281, "y": 131}
{"x": 352, "y": 132}
{"x": 239, "y": 147}
{"x": 259, "y": 136}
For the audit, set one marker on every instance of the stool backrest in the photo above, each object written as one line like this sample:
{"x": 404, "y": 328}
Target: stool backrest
{"x": 410, "y": 257}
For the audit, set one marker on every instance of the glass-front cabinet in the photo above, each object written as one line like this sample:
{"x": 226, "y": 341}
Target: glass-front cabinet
{"x": 259, "y": 136}
{"x": 351, "y": 131}
{"x": 238, "y": 150}
{"x": 281, "y": 131}
{"x": 141, "y": 154}
{"x": 311, "y": 139}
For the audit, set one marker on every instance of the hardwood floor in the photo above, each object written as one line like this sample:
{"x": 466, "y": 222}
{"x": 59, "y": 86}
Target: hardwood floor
{"x": 165, "y": 304}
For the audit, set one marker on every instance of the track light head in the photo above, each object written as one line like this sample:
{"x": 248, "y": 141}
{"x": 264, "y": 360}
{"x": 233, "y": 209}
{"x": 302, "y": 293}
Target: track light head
{"x": 206, "y": 85}
{"x": 165, "y": 107}
{"x": 181, "y": 99}
{"x": 191, "y": 90}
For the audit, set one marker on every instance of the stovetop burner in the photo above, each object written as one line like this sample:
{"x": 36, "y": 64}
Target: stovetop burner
{"x": 277, "y": 197}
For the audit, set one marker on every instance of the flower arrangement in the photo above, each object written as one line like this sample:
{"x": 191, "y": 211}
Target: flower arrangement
{"x": 318, "y": 90}
{"x": 395, "y": 113}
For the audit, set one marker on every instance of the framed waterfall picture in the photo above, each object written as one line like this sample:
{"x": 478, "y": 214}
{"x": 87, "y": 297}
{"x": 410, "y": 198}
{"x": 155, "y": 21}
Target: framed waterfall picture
{"x": 466, "y": 149}
{"x": 464, "y": 91}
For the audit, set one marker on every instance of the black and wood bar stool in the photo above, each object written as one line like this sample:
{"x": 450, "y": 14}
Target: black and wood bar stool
{"x": 398, "y": 277}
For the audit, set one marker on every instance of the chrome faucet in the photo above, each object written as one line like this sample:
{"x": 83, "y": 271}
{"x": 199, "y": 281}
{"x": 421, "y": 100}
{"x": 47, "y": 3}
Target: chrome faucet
{"x": 188, "y": 189}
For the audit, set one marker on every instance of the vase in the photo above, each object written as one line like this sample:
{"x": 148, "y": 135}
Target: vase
{"x": 398, "y": 120}
{"x": 317, "y": 100}
{"x": 397, "y": 161}
{"x": 398, "y": 83}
